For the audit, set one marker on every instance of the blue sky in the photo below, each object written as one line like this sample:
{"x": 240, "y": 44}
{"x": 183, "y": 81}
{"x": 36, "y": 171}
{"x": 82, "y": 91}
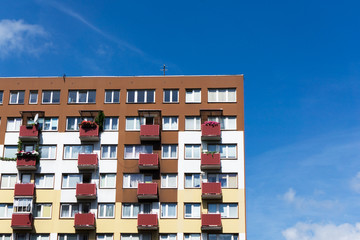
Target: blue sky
{"x": 301, "y": 62}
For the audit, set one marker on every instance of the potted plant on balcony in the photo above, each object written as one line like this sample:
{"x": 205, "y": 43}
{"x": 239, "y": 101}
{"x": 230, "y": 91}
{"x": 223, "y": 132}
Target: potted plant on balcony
{"x": 22, "y": 153}
{"x": 88, "y": 124}
{"x": 211, "y": 123}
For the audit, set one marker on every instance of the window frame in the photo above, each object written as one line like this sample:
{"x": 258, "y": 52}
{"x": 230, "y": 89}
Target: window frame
{"x": 42, "y": 209}
{"x": 218, "y": 149}
{"x": 195, "y": 119}
{"x": 17, "y": 97}
{"x": 68, "y": 183}
{"x": 192, "y": 181}
{"x": 142, "y": 180}
{"x": 7, "y": 205}
{"x": 51, "y": 147}
{"x": 9, "y": 180}
{"x": 169, "y": 149}
{"x": 217, "y": 95}
{"x": 224, "y": 122}
{"x": 218, "y": 238}
{"x": 171, "y": 95}
{"x": 136, "y": 95}
{"x": 134, "y": 152}
{"x": 16, "y": 120}
{"x": 71, "y": 205}
{"x": 167, "y": 211}
{"x": 141, "y": 121}
{"x": 112, "y": 96}
{"x": 1, "y": 97}
{"x": 106, "y": 236}
{"x": 51, "y": 97}
{"x": 227, "y": 206}
{"x": 189, "y": 234}
{"x": 192, "y": 151}
{"x": 37, "y": 96}
{"x": 171, "y": 119}
{"x": 88, "y": 91}
{"x": 106, "y": 181}
{"x": 44, "y": 175}
{"x": 12, "y": 146}
{"x": 217, "y": 176}
{"x": 111, "y": 124}
{"x": 109, "y": 146}
{"x": 21, "y": 208}
{"x": 141, "y": 209}
{"x": 83, "y": 147}
{"x": 167, "y": 180}
{"x": 105, "y": 210}
{"x": 192, "y": 206}
{"x": 193, "y": 95}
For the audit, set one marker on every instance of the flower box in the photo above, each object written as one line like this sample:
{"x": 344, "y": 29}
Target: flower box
{"x": 211, "y": 131}
{"x": 89, "y": 131}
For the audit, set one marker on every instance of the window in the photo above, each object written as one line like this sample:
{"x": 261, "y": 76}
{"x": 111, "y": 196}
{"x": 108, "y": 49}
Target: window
{"x": 192, "y": 123}
{"x": 131, "y": 180}
{"x": 23, "y": 205}
{"x": 140, "y": 96}
{"x": 192, "y": 210}
{"x": 82, "y": 96}
{"x": 192, "y": 236}
{"x": 133, "y": 151}
{"x": 170, "y": 123}
{"x": 193, "y": 96}
{"x": 46, "y": 124}
{"x": 1, "y": 97}
{"x": 72, "y": 123}
{"x": 168, "y": 210}
{"x": 33, "y": 98}
{"x": 106, "y": 210}
{"x": 227, "y": 151}
{"x": 25, "y": 178}
{"x": 73, "y": 237}
{"x": 169, "y": 151}
{"x": 51, "y": 97}
{"x": 39, "y": 237}
{"x": 226, "y": 123}
{"x": 131, "y": 210}
{"x": 107, "y": 180}
{"x": 171, "y": 236}
{"x": 111, "y": 123}
{"x": 70, "y": 180}
{"x": 144, "y": 236}
{"x": 17, "y": 97}
{"x": 42, "y": 210}
{"x": 222, "y": 95}
{"x": 227, "y": 210}
{"x": 108, "y": 151}
{"x": 6, "y": 210}
{"x": 227, "y": 180}
{"x": 10, "y": 151}
{"x": 13, "y": 124}
{"x": 222, "y": 236}
{"x": 72, "y": 151}
{"x": 171, "y": 96}
{"x": 133, "y": 123}
{"x": 112, "y": 96}
{"x": 68, "y": 210}
{"x": 44, "y": 181}
{"x": 8, "y": 180}
{"x": 104, "y": 236}
{"x": 192, "y": 180}
{"x": 5, "y": 236}
{"x": 169, "y": 180}
{"x": 192, "y": 151}
{"x": 47, "y": 152}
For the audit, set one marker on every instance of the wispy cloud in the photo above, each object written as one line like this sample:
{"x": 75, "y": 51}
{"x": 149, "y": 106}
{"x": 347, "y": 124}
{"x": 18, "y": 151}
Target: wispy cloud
{"x": 355, "y": 183}
{"x": 314, "y": 231}
{"x": 70, "y": 12}
{"x": 17, "y": 37}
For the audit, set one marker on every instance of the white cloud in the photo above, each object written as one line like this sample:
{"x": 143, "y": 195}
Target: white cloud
{"x": 313, "y": 231}
{"x": 289, "y": 196}
{"x": 355, "y": 183}
{"x": 18, "y": 37}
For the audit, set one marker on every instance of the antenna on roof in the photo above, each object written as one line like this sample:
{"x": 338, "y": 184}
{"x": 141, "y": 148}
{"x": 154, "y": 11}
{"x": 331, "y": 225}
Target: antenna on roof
{"x": 64, "y": 76}
{"x": 163, "y": 69}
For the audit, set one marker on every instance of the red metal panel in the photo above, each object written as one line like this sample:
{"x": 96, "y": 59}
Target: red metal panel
{"x": 87, "y": 159}
{"x": 23, "y": 161}
{"x": 86, "y": 189}
{"x": 24, "y": 189}
{"x": 147, "y": 189}
{"x": 149, "y": 130}
{"x": 84, "y": 220}
{"x": 148, "y": 220}
{"x": 211, "y": 188}
{"x": 89, "y": 132}
{"x": 210, "y": 219}
{"x": 26, "y": 131}
{"x": 149, "y": 159}
{"x": 210, "y": 159}
{"x": 22, "y": 221}
{"x": 210, "y": 130}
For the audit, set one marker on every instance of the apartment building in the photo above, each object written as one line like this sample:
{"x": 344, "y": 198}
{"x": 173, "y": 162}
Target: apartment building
{"x": 130, "y": 158}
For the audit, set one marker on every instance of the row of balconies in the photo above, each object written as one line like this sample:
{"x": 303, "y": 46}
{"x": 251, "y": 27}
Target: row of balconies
{"x": 86, "y": 221}
{"x": 147, "y": 133}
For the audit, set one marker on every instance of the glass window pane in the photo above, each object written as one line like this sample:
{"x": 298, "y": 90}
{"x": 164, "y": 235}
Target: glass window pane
{"x": 56, "y": 97}
{"x": 116, "y": 96}
{"x": 21, "y": 97}
{"x": 131, "y": 96}
{"x": 92, "y": 96}
{"x": 150, "y": 96}
{"x": 212, "y": 95}
{"x": 10, "y": 151}
{"x": 72, "y": 97}
{"x": 231, "y": 95}
{"x": 108, "y": 96}
{"x": 175, "y": 95}
{"x": 166, "y": 95}
{"x": 141, "y": 96}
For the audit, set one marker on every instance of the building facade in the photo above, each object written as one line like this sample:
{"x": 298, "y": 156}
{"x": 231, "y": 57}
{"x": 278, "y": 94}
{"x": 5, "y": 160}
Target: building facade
{"x": 164, "y": 161}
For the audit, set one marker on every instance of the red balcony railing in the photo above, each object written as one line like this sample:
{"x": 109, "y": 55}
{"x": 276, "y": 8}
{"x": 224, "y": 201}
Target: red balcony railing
{"x": 211, "y": 190}
{"x": 22, "y": 221}
{"x": 84, "y": 221}
{"x": 211, "y": 222}
{"x": 148, "y": 222}
{"x": 26, "y": 162}
{"x": 86, "y": 191}
{"x": 149, "y": 132}
{"x": 87, "y": 161}
{"x": 147, "y": 191}
{"x": 210, "y": 132}
{"x": 148, "y": 161}
{"x": 89, "y": 133}
{"x": 24, "y": 190}
{"x": 29, "y": 133}
{"x": 210, "y": 161}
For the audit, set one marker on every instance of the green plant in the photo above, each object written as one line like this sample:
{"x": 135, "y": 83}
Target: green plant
{"x": 100, "y": 118}
{"x": 19, "y": 146}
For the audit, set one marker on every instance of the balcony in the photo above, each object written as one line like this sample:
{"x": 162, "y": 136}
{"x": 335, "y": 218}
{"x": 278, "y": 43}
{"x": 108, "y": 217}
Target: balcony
{"x": 210, "y": 161}
{"x": 86, "y": 191}
{"x": 22, "y": 221}
{"x": 24, "y": 190}
{"x": 211, "y": 222}
{"x": 87, "y": 161}
{"x": 211, "y": 132}
{"x": 148, "y": 222}
{"x": 26, "y": 163}
{"x": 147, "y": 191}
{"x": 211, "y": 191}
{"x": 89, "y": 133}
{"x": 149, "y": 132}
{"x": 29, "y": 133}
{"x": 148, "y": 161}
{"x": 84, "y": 221}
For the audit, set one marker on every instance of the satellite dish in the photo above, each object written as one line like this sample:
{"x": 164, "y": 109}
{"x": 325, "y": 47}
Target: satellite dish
{"x": 36, "y": 118}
